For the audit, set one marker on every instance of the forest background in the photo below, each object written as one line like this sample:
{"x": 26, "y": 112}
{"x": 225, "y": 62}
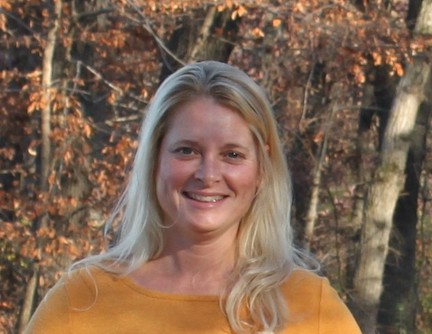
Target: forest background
{"x": 351, "y": 88}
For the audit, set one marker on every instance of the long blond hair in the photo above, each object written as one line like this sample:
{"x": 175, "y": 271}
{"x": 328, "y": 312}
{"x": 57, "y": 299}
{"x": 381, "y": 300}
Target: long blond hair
{"x": 266, "y": 254}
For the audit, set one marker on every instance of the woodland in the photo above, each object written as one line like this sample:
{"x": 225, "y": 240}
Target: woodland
{"x": 350, "y": 84}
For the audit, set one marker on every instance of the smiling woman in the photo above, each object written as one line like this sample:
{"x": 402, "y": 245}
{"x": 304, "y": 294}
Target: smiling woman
{"x": 205, "y": 244}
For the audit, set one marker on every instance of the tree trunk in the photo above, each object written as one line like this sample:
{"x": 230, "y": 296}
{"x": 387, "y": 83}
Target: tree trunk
{"x": 306, "y": 184}
{"x": 312, "y": 214}
{"x": 47, "y": 73}
{"x": 398, "y": 310}
{"x": 387, "y": 185}
{"x": 28, "y": 302}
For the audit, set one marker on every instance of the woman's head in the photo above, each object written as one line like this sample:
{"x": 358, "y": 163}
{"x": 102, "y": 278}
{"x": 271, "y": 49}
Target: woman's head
{"x": 230, "y": 88}
{"x": 207, "y": 173}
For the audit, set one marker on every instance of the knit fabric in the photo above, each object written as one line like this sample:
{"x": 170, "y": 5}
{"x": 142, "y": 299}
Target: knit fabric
{"x": 99, "y": 302}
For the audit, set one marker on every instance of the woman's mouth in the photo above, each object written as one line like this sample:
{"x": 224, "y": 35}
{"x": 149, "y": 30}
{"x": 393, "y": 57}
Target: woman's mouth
{"x": 204, "y": 198}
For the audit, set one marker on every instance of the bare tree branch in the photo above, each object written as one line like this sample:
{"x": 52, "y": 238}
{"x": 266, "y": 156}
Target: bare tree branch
{"x": 146, "y": 25}
{"x": 37, "y": 36}
{"x": 108, "y": 83}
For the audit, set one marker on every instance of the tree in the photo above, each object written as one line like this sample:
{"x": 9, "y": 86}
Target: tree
{"x": 388, "y": 183}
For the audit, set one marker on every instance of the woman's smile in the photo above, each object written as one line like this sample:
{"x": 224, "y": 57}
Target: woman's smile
{"x": 203, "y": 198}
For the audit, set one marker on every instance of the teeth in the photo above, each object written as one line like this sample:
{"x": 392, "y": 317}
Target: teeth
{"x": 205, "y": 198}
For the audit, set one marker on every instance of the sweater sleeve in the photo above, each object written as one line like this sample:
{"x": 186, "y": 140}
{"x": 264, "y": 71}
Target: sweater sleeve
{"x": 52, "y": 314}
{"x": 334, "y": 317}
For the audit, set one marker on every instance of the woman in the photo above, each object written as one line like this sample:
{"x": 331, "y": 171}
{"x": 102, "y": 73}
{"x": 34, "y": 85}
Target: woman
{"x": 205, "y": 244}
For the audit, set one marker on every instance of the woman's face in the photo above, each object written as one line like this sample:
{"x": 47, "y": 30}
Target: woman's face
{"x": 207, "y": 172}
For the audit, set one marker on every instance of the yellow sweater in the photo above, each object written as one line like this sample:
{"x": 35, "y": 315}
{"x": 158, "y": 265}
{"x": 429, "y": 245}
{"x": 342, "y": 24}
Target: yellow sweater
{"x": 103, "y": 303}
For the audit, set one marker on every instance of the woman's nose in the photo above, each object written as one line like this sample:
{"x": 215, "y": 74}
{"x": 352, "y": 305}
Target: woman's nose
{"x": 209, "y": 171}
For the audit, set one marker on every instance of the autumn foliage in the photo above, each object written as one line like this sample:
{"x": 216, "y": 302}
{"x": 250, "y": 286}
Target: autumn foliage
{"x": 317, "y": 60}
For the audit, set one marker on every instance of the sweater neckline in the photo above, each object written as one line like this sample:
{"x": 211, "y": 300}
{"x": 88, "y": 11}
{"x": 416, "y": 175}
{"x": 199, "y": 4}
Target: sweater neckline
{"x": 166, "y": 295}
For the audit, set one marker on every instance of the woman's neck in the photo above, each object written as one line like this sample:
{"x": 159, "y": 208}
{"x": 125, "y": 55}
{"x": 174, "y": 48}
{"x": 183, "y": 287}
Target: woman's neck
{"x": 200, "y": 268}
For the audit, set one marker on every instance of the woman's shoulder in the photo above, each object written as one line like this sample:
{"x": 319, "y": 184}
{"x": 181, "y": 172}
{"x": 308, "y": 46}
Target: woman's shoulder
{"x": 83, "y": 284}
{"x": 305, "y": 285}
{"x": 76, "y": 290}
{"x": 310, "y": 296}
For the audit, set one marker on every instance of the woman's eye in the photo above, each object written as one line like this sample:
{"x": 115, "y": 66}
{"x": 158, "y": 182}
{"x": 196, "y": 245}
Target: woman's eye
{"x": 234, "y": 155}
{"x": 184, "y": 150}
